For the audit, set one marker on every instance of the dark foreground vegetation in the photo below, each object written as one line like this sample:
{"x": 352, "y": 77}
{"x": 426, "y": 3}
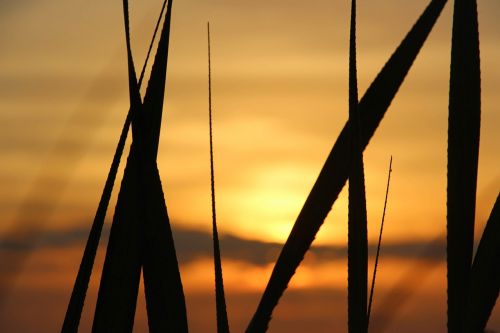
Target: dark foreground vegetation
{"x": 141, "y": 237}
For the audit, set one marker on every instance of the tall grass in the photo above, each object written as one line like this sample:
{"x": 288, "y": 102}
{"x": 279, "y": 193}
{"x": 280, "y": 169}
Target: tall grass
{"x": 335, "y": 171}
{"x": 220, "y": 300}
{"x": 119, "y": 285}
{"x": 162, "y": 282}
{"x": 140, "y": 233}
{"x": 463, "y": 150}
{"x": 77, "y": 300}
{"x": 357, "y": 241}
{"x": 141, "y": 236}
{"x": 379, "y": 244}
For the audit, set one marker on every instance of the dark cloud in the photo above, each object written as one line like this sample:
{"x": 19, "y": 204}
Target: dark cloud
{"x": 195, "y": 244}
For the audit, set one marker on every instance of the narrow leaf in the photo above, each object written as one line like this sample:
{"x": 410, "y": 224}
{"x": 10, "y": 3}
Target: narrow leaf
{"x": 335, "y": 172}
{"x": 357, "y": 241}
{"x": 370, "y": 302}
{"x": 117, "y": 297}
{"x": 162, "y": 281}
{"x": 485, "y": 276}
{"x": 220, "y": 299}
{"x": 463, "y": 150}
{"x": 155, "y": 92}
{"x": 165, "y": 302}
{"x": 119, "y": 284}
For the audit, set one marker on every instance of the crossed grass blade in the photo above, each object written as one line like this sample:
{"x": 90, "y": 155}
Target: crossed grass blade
{"x": 165, "y": 300}
{"x": 118, "y": 289}
{"x": 334, "y": 174}
{"x": 142, "y": 235}
{"x": 357, "y": 241}
{"x": 77, "y": 300}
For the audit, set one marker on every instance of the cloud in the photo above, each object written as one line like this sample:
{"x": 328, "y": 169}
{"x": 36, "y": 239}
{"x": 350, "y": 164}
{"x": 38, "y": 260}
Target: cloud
{"x": 196, "y": 244}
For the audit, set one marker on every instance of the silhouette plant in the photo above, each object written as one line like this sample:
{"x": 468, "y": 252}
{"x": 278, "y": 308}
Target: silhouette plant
{"x": 357, "y": 239}
{"x": 473, "y": 286}
{"x": 140, "y": 234}
{"x": 463, "y": 150}
{"x": 335, "y": 171}
{"x": 220, "y": 300}
{"x": 75, "y": 306}
{"x": 141, "y": 237}
{"x": 379, "y": 244}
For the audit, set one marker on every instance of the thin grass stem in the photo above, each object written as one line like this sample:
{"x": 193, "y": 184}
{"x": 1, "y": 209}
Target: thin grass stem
{"x": 370, "y": 302}
{"x": 220, "y": 300}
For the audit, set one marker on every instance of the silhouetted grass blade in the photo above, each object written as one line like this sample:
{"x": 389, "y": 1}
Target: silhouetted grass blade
{"x": 134, "y": 94}
{"x": 75, "y": 306}
{"x": 162, "y": 282}
{"x": 463, "y": 150}
{"x": 357, "y": 243}
{"x": 119, "y": 285}
{"x": 485, "y": 275}
{"x": 153, "y": 100}
{"x": 379, "y": 244}
{"x": 220, "y": 299}
{"x": 335, "y": 171}
{"x": 152, "y": 40}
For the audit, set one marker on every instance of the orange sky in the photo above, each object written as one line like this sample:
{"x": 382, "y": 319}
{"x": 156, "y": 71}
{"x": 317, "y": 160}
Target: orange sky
{"x": 279, "y": 71}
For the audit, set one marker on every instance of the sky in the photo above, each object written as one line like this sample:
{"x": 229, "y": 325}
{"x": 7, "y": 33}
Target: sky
{"x": 279, "y": 85}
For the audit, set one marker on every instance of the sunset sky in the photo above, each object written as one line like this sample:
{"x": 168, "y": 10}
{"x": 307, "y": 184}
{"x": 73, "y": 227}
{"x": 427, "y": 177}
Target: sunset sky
{"x": 279, "y": 84}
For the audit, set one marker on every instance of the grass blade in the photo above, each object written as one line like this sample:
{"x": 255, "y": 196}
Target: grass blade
{"x": 149, "y": 243}
{"x": 162, "y": 281}
{"x": 334, "y": 174}
{"x": 485, "y": 276}
{"x": 157, "y": 26}
{"x": 220, "y": 299}
{"x": 379, "y": 245}
{"x": 165, "y": 302}
{"x": 463, "y": 149}
{"x": 357, "y": 241}
{"x": 155, "y": 92}
{"x": 119, "y": 285}
{"x": 77, "y": 300}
